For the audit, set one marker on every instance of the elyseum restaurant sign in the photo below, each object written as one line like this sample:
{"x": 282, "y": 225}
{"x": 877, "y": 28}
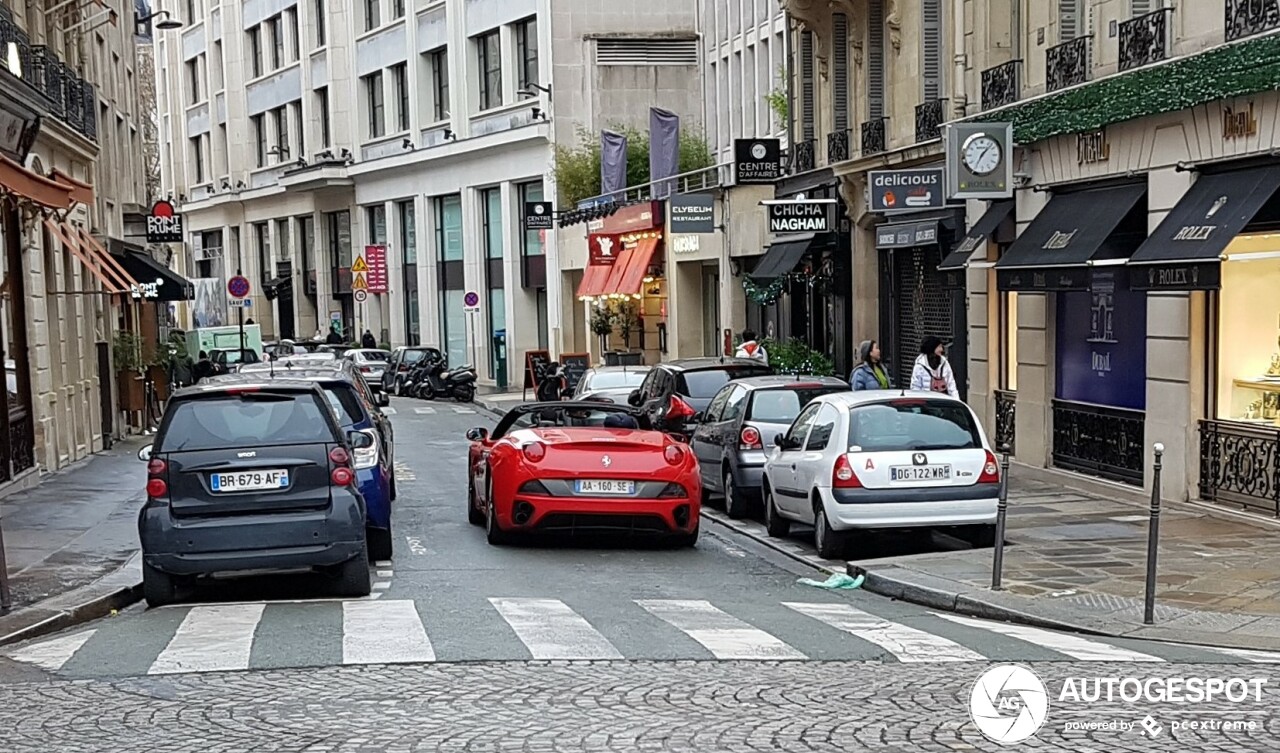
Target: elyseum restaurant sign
{"x": 800, "y": 215}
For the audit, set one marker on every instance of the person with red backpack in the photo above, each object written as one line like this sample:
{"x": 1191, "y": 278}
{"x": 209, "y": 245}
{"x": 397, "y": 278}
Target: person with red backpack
{"x": 932, "y": 372}
{"x": 752, "y": 349}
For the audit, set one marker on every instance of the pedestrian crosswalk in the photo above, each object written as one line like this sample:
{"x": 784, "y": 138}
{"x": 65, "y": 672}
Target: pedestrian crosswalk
{"x": 428, "y": 410}
{"x": 223, "y": 637}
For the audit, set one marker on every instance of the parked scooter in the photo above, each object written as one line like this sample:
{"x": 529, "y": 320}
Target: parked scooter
{"x": 459, "y": 384}
{"x": 418, "y": 373}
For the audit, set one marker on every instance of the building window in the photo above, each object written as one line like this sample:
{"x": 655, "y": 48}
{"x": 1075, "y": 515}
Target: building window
{"x": 531, "y": 244}
{"x": 193, "y": 81}
{"x": 527, "y": 56}
{"x": 372, "y": 14}
{"x": 276, "y": 28}
{"x": 260, "y": 139}
{"x": 197, "y": 158}
{"x": 284, "y": 250}
{"x": 440, "y": 84}
{"x": 339, "y": 240}
{"x": 397, "y": 8}
{"x": 489, "y": 59}
{"x": 319, "y": 12}
{"x": 373, "y": 96}
{"x": 453, "y": 324}
{"x": 306, "y": 241}
{"x": 262, "y": 234}
{"x": 409, "y": 242}
{"x": 255, "y": 50}
{"x": 322, "y": 105}
{"x": 1248, "y": 312}
{"x": 491, "y": 206}
{"x": 400, "y": 80}
{"x": 299, "y": 127}
{"x": 280, "y": 118}
{"x": 376, "y": 219}
{"x": 291, "y": 26}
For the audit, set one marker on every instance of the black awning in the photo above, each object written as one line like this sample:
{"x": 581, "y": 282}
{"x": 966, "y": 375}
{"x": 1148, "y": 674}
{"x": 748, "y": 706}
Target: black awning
{"x": 1071, "y": 233}
{"x": 908, "y": 234}
{"x": 1184, "y": 251}
{"x": 156, "y": 281}
{"x": 996, "y": 213}
{"x": 276, "y": 282}
{"x": 782, "y": 257}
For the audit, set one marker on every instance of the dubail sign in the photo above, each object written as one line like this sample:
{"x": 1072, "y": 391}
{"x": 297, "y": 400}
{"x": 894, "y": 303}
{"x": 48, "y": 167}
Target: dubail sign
{"x": 800, "y": 215}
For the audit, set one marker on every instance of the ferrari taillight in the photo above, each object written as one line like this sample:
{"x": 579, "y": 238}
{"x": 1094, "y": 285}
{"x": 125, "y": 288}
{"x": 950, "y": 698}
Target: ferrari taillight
{"x": 535, "y": 451}
{"x": 674, "y": 454}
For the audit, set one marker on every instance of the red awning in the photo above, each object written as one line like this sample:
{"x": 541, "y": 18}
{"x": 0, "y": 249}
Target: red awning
{"x": 81, "y": 192}
{"x": 595, "y": 278}
{"x": 46, "y": 192}
{"x": 630, "y": 268}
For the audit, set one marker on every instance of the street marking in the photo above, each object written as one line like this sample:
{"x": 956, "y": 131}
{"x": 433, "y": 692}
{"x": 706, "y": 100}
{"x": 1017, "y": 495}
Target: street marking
{"x": 381, "y": 586}
{"x": 383, "y": 563}
{"x": 722, "y": 634}
{"x": 52, "y": 654}
{"x": 404, "y": 473}
{"x": 1257, "y": 657}
{"x": 388, "y": 411}
{"x": 415, "y": 546}
{"x": 388, "y": 632}
{"x": 211, "y": 639}
{"x": 551, "y": 630}
{"x": 463, "y": 410}
{"x": 1073, "y": 646}
{"x": 424, "y": 411}
{"x": 906, "y": 643}
{"x": 385, "y": 573}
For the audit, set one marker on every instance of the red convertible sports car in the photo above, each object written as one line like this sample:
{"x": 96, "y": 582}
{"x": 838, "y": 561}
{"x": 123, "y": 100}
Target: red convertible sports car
{"x": 581, "y": 467}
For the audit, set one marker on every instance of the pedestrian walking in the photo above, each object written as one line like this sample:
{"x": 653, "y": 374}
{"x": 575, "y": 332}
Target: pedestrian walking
{"x": 932, "y": 372}
{"x": 334, "y": 338}
{"x": 752, "y": 349}
{"x": 203, "y": 368}
{"x": 870, "y": 373}
{"x": 553, "y": 385}
{"x": 368, "y": 341}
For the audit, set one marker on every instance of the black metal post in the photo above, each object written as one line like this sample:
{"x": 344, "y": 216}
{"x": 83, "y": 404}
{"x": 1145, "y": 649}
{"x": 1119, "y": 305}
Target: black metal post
{"x": 240, "y": 311}
{"x": 1153, "y": 540}
{"x": 6, "y": 598}
{"x": 1002, "y": 512}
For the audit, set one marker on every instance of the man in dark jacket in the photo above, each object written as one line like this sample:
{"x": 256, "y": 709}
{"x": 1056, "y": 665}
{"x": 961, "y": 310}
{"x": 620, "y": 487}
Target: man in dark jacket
{"x": 368, "y": 340}
{"x": 334, "y": 338}
{"x": 203, "y": 368}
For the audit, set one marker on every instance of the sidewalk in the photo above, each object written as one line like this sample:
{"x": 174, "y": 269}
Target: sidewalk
{"x": 1078, "y": 561}
{"x": 501, "y": 402}
{"x": 71, "y": 541}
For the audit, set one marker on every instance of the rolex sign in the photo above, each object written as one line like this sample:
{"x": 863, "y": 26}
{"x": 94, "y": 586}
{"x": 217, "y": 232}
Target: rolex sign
{"x": 800, "y": 216}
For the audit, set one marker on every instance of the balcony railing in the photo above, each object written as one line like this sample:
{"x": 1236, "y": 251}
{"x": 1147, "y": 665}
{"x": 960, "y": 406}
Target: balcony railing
{"x": 838, "y": 147}
{"x": 1248, "y": 17}
{"x": 930, "y": 116}
{"x": 1099, "y": 441}
{"x": 48, "y": 76}
{"x": 1145, "y": 40}
{"x": 1069, "y": 63}
{"x": 802, "y": 156}
{"x": 1240, "y": 465}
{"x": 1002, "y": 85}
{"x": 874, "y": 139}
{"x": 68, "y": 97}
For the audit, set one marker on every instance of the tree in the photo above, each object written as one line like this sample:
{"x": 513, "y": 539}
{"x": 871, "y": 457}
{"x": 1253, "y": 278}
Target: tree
{"x": 150, "y": 121}
{"x": 578, "y": 167}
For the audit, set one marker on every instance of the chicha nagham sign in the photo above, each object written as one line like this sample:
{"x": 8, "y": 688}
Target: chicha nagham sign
{"x": 800, "y": 216}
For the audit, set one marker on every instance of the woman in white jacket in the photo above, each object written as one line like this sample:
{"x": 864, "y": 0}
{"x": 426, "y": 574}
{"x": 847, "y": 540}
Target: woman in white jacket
{"x": 932, "y": 372}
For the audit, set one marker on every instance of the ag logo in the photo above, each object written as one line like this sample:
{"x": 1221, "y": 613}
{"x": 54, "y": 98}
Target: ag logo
{"x": 1008, "y": 703}
{"x": 919, "y": 459}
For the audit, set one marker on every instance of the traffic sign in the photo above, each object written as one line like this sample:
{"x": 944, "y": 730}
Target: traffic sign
{"x": 238, "y": 286}
{"x": 361, "y": 296}
{"x": 471, "y": 299}
{"x": 240, "y": 303}
{"x": 359, "y": 282}
{"x": 359, "y": 265}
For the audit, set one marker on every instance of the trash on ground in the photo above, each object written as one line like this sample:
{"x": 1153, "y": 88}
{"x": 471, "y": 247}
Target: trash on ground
{"x": 838, "y": 581}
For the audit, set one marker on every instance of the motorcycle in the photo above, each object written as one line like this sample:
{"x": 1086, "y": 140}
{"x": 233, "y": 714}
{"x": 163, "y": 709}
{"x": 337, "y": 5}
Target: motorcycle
{"x": 459, "y": 384}
{"x": 417, "y": 374}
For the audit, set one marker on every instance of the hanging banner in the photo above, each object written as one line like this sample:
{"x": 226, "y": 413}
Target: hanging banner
{"x": 376, "y": 259}
{"x": 664, "y": 150}
{"x": 602, "y": 249}
{"x": 613, "y": 162}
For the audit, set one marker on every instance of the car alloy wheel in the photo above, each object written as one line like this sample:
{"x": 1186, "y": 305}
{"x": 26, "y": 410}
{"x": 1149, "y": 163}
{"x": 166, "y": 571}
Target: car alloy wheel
{"x": 474, "y": 516}
{"x": 735, "y": 506}
{"x": 775, "y": 525}
{"x": 829, "y": 542}
{"x": 493, "y": 531}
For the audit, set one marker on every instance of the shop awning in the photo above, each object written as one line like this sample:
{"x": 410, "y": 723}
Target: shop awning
{"x": 1184, "y": 251}
{"x": 594, "y": 280}
{"x": 1069, "y": 235}
{"x": 630, "y": 268}
{"x": 81, "y": 192}
{"x": 27, "y": 184}
{"x": 95, "y": 258}
{"x": 169, "y": 285}
{"x": 782, "y": 257}
{"x": 997, "y": 213}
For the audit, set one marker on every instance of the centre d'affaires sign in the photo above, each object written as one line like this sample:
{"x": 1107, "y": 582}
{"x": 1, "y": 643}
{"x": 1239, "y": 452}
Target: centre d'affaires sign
{"x": 800, "y": 216}
{"x": 164, "y": 225}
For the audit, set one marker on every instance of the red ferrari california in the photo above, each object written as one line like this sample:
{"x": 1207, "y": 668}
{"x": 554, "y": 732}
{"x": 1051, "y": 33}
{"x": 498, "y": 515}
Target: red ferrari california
{"x": 581, "y": 467}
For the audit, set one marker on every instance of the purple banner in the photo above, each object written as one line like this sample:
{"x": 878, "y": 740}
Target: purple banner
{"x": 664, "y": 150}
{"x": 613, "y": 163}
{"x": 1102, "y": 344}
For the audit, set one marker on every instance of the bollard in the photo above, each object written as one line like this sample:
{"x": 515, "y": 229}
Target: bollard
{"x": 6, "y": 598}
{"x": 1153, "y": 541}
{"x": 1002, "y": 511}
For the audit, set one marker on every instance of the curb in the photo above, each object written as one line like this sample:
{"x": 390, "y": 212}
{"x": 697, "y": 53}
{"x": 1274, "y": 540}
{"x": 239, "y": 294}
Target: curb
{"x": 62, "y": 617}
{"x": 727, "y": 522}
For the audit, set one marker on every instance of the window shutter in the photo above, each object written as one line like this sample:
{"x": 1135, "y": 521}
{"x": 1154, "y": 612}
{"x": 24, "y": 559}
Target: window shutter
{"x": 840, "y": 71}
{"x": 931, "y": 13}
{"x": 1141, "y": 7}
{"x": 806, "y": 85}
{"x": 875, "y": 60}
{"x": 1068, "y": 19}
{"x": 646, "y": 52}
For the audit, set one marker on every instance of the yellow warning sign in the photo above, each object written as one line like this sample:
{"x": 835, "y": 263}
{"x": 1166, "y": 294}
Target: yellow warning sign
{"x": 359, "y": 266}
{"x": 359, "y": 283}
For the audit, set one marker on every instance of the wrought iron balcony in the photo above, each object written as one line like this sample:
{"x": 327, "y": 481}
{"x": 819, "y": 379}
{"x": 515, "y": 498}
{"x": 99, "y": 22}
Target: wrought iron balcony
{"x": 874, "y": 139}
{"x": 1145, "y": 39}
{"x": 838, "y": 146}
{"x": 48, "y": 76}
{"x": 930, "y": 116}
{"x": 1002, "y": 85}
{"x": 1248, "y": 17}
{"x": 802, "y": 157}
{"x": 73, "y": 102}
{"x": 11, "y": 32}
{"x": 1069, "y": 63}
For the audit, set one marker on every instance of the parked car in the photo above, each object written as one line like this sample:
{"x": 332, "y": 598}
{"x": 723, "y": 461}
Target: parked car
{"x": 744, "y": 414}
{"x": 581, "y": 467}
{"x": 251, "y": 474}
{"x": 674, "y": 393}
{"x": 295, "y": 347}
{"x": 229, "y": 361}
{"x": 371, "y": 363}
{"x": 337, "y": 350}
{"x": 358, "y": 409}
{"x": 402, "y": 360}
{"x": 613, "y": 383}
{"x": 881, "y": 459}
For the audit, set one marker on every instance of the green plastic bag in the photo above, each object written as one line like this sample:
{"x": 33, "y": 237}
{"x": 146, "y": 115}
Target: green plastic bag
{"x": 837, "y": 582}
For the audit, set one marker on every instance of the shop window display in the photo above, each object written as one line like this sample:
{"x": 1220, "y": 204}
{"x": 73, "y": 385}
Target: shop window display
{"x": 1249, "y": 331}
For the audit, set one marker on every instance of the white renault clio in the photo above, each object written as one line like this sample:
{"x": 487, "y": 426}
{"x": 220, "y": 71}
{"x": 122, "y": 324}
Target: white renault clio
{"x": 881, "y": 459}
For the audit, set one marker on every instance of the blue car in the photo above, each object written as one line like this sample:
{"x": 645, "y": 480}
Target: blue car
{"x": 358, "y": 409}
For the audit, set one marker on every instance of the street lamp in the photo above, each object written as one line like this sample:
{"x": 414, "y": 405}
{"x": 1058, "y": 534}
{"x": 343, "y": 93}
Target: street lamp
{"x": 168, "y": 23}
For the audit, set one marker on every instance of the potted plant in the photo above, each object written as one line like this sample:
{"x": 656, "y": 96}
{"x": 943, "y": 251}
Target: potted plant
{"x": 602, "y": 325}
{"x": 628, "y": 317}
{"x": 126, "y": 351}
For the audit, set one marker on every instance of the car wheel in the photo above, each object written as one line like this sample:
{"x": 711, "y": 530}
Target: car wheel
{"x": 474, "y": 516}
{"x": 399, "y": 388}
{"x": 775, "y": 525}
{"x": 687, "y": 540}
{"x": 353, "y": 575}
{"x": 493, "y": 531}
{"x": 158, "y": 588}
{"x": 829, "y": 542}
{"x": 380, "y": 543}
{"x": 735, "y": 503}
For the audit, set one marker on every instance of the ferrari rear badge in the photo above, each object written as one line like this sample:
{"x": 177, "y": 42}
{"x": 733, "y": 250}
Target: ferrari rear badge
{"x": 606, "y": 461}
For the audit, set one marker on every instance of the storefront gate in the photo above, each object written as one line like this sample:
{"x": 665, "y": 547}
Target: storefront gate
{"x": 921, "y": 307}
{"x": 1240, "y": 465}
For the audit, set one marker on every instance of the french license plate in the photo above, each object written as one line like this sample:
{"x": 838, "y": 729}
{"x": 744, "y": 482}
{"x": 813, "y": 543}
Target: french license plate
{"x": 908, "y": 473}
{"x": 249, "y": 481}
{"x": 606, "y": 486}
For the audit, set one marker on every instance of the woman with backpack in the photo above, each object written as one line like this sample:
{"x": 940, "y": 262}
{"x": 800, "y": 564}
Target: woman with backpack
{"x": 932, "y": 372}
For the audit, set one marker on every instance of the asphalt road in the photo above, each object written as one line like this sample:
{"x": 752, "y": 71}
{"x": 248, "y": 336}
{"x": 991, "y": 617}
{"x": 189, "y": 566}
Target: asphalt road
{"x": 555, "y": 646}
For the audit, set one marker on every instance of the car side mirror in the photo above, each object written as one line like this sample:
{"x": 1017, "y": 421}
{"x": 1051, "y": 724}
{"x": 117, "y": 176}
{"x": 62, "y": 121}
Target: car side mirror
{"x": 144, "y": 454}
{"x": 384, "y": 399}
{"x": 359, "y": 440}
{"x": 478, "y": 434}
{"x": 697, "y": 418}
{"x": 779, "y": 441}
{"x": 635, "y": 399}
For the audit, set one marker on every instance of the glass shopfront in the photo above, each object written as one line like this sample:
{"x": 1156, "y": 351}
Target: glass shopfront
{"x": 1248, "y": 332}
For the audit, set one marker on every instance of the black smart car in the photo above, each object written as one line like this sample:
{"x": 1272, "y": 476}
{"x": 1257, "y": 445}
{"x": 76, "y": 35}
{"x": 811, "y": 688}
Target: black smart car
{"x": 674, "y": 394}
{"x": 250, "y": 474}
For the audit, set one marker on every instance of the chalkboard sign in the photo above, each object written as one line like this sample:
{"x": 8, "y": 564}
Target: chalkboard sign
{"x": 535, "y": 367}
{"x": 575, "y": 365}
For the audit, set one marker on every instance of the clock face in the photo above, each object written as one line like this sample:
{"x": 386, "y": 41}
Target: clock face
{"x": 981, "y": 154}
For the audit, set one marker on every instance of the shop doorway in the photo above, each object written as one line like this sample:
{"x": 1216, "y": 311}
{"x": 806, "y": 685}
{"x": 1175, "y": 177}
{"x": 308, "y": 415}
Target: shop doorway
{"x": 711, "y": 345}
{"x": 915, "y": 305}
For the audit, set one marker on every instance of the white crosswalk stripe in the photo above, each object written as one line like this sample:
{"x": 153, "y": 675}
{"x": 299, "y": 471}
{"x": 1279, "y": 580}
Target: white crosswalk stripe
{"x": 550, "y": 629}
{"x": 724, "y": 635}
{"x": 388, "y": 411}
{"x": 53, "y": 653}
{"x": 463, "y": 410}
{"x": 424, "y": 411}
{"x": 906, "y": 643}
{"x": 211, "y": 639}
{"x": 384, "y": 632}
{"x": 1064, "y": 643}
{"x": 1257, "y": 657}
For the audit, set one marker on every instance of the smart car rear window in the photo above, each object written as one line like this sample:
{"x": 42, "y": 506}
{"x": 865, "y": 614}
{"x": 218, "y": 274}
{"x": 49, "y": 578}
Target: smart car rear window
{"x": 705, "y": 383}
{"x": 245, "y": 420}
{"x": 913, "y": 424}
{"x": 346, "y": 404}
